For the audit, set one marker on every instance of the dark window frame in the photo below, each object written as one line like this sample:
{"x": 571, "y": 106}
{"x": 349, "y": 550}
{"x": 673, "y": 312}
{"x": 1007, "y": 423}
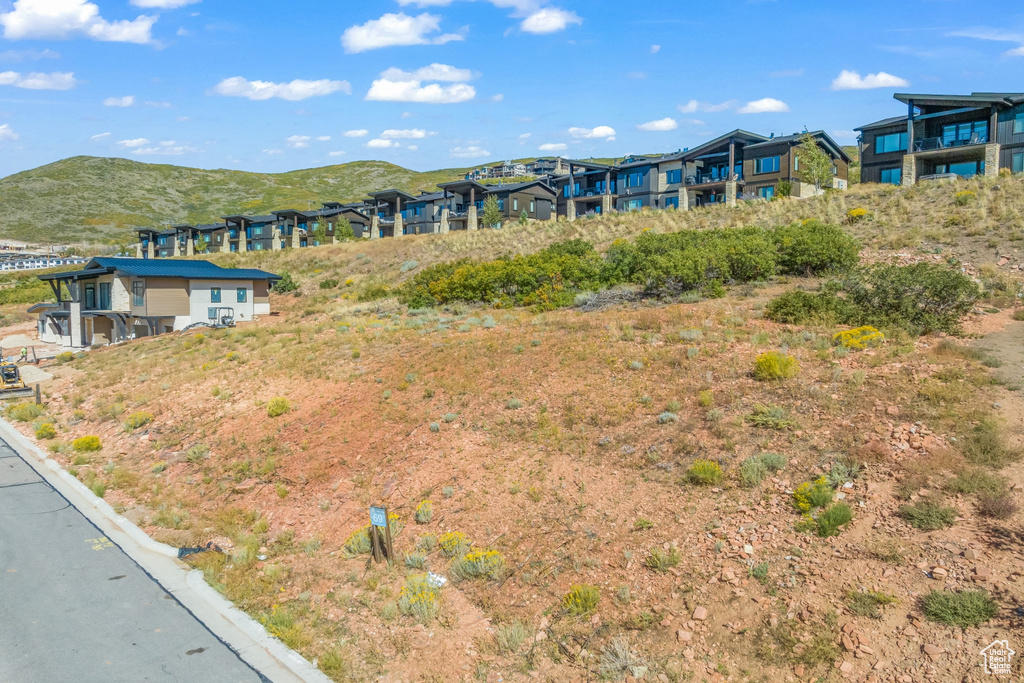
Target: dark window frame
{"x": 215, "y": 295}
{"x": 241, "y": 295}
{"x": 139, "y": 293}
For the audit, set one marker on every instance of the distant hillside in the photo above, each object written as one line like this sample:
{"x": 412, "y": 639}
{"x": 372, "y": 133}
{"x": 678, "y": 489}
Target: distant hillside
{"x": 90, "y": 199}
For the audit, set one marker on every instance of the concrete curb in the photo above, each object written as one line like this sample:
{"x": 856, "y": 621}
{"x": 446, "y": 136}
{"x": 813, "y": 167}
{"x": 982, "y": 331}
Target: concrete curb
{"x": 247, "y": 637}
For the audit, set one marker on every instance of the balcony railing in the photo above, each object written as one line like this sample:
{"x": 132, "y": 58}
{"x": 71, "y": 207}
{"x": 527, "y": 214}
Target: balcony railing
{"x": 590, "y": 192}
{"x": 931, "y": 144}
{"x": 708, "y": 179}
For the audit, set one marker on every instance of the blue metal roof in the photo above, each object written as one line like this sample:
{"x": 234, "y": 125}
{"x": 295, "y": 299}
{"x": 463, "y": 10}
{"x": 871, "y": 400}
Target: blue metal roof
{"x": 178, "y": 269}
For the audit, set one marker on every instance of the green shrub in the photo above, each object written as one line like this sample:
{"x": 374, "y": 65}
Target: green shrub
{"x": 87, "y": 444}
{"x": 137, "y": 420}
{"x": 775, "y": 365}
{"x": 416, "y": 560}
{"x": 928, "y": 515}
{"x": 667, "y": 418}
{"x": 329, "y": 283}
{"x": 705, "y": 399}
{"x": 24, "y": 412}
{"x": 454, "y": 543}
{"x": 46, "y": 431}
{"x": 965, "y": 609}
{"x": 997, "y": 505}
{"x": 581, "y": 600}
{"x": 813, "y": 248}
{"x": 64, "y": 357}
{"x": 797, "y": 307}
{"x": 754, "y": 469}
{"x": 986, "y": 445}
{"x": 812, "y": 495}
{"x": 771, "y": 417}
{"x": 285, "y": 284}
{"x": 831, "y": 521}
{"x": 868, "y": 604}
{"x": 510, "y": 636}
{"x": 278, "y": 406}
{"x": 705, "y": 473}
{"x": 974, "y": 480}
{"x": 661, "y": 561}
{"x": 964, "y": 198}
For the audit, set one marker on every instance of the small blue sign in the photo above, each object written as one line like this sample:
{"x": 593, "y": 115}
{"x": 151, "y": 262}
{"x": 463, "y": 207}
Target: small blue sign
{"x": 378, "y": 517}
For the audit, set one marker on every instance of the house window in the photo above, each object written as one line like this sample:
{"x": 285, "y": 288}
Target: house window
{"x": 215, "y": 295}
{"x": 672, "y": 201}
{"x": 501, "y": 205}
{"x": 966, "y": 169}
{"x": 532, "y": 207}
{"x": 634, "y": 204}
{"x": 766, "y": 192}
{"x": 139, "y": 293}
{"x": 886, "y": 144}
{"x": 515, "y": 204}
{"x": 161, "y": 241}
{"x": 257, "y": 231}
{"x": 90, "y": 297}
{"x": 1018, "y": 162}
{"x": 241, "y": 295}
{"x": 767, "y": 165}
{"x": 892, "y": 176}
{"x": 1018, "y": 124}
{"x": 674, "y": 177}
{"x": 796, "y": 162}
{"x": 566, "y": 191}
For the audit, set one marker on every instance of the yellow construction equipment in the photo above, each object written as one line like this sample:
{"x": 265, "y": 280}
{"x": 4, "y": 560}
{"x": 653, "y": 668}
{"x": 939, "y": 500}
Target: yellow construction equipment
{"x": 11, "y": 383}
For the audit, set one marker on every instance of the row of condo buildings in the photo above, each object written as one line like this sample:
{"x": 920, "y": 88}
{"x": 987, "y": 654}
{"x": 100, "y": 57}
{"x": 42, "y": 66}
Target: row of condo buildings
{"x": 940, "y": 136}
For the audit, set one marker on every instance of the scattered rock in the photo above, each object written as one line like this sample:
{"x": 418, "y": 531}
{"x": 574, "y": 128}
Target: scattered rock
{"x": 700, "y": 614}
{"x": 684, "y": 636}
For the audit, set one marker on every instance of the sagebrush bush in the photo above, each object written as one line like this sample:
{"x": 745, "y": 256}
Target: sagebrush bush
{"x": 771, "y": 417}
{"x": 986, "y": 445}
{"x": 868, "y": 604}
{"x": 661, "y": 560}
{"x": 705, "y": 473}
{"x": 479, "y": 564}
{"x": 775, "y": 365}
{"x": 581, "y": 600}
{"x": 278, "y": 406}
{"x": 965, "y": 609}
{"x": 137, "y": 420}
{"x": 424, "y": 512}
{"x": 87, "y": 444}
{"x": 454, "y": 543}
{"x": 997, "y": 505}
{"x": 64, "y": 357}
{"x": 754, "y": 469}
{"x": 24, "y": 412}
{"x": 45, "y": 431}
{"x": 831, "y": 521}
{"x": 420, "y": 598}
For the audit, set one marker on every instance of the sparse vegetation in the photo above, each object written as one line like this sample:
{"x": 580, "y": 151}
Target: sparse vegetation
{"x": 87, "y": 444}
{"x": 662, "y": 560}
{"x": 581, "y": 600}
{"x": 928, "y": 515}
{"x": 965, "y": 609}
{"x": 278, "y": 406}
{"x": 137, "y": 421}
{"x": 705, "y": 473}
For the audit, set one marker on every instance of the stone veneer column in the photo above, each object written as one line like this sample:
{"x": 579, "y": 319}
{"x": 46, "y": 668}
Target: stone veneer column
{"x": 75, "y": 313}
{"x": 177, "y": 246}
{"x": 138, "y": 250}
{"x": 471, "y": 223}
{"x": 190, "y": 246}
{"x": 607, "y": 205}
{"x": 375, "y": 227}
{"x": 399, "y": 225}
{"x": 446, "y": 225}
{"x": 296, "y": 240}
{"x": 150, "y": 249}
{"x": 684, "y": 199}
{"x": 276, "y": 238}
{"x": 909, "y": 170}
{"x": 570, "y": 208}
{"x": 992, "y": 160}
{"x": 730, "y": 193}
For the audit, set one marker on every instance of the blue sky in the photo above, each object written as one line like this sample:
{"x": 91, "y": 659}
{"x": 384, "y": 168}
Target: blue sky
{"x": 277, "y": 86}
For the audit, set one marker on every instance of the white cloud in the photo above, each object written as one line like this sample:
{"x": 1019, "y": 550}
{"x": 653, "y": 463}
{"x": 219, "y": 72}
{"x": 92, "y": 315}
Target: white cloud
{"x": 549, "y": 20}
{"x": 395, "y": 29}
{"x": 165, "y": 148}
{"x": 605, "y": 132}
{"x": 126, "y": 101}
{"x": 694, "y": 106}
{"x": 360, "y": 133}
{"x": 851, "y": 80}
{"x": 273, "y": 151}
{"x": 396, "y": 85}
{"x": 433, "y": 72}
{"x": 294, "y": 91}
{"x": 134, "y": 143}
{"x": 665, "y": 124}
{"x": 413, "y": 147}
{"x": 472, "y": 152}
{"x": 553, "y": 147}
{"x": 408, "y": 134}
{"x": 6, "y": 133}
{"x": 23, "y": 55}
{"x": 100, "y": 136}
{"x": 526, "y": 136}
{"x": 498, "y": 98}
{"x": 767, "y": 105}
{"x": 1015, "y": 52}
{"x": 39, "y": 81}
{"x": 323, "y": 138}
{"x": 163, "y": 4}
{"x": 337, "y": 153}
{"x": 655, "y": 49}
{"x": 158, "y": 105}
{"x": 298, "y": 141}
{"x": 379, "y": 143}
{"x": 64, "y": 19}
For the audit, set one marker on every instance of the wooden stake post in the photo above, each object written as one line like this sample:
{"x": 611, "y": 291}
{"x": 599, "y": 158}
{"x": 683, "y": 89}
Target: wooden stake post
{"x": 382, "y": 548}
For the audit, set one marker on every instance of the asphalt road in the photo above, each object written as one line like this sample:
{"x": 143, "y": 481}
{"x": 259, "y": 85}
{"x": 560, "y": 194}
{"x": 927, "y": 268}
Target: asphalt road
{"x": 75, "y": 608}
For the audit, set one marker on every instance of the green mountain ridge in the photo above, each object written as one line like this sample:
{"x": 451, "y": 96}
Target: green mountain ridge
{"x": 92, "y": 199}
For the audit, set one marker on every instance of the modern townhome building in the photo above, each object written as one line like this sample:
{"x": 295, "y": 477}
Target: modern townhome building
{"x": 535, "y": 198}
{"x": 945, "y": 136}
{"x": 766, "y": 164}
{"x": 117, "y": 299}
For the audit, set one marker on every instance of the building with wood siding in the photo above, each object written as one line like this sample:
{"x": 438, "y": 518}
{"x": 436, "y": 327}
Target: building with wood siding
{"x": 116, "y": 299}
{"x": 945, "y": 136}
